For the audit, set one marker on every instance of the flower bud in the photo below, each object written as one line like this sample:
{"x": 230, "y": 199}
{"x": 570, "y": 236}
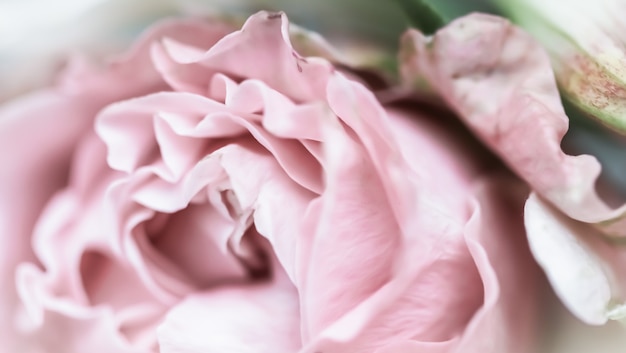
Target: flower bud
{"x": 586, "y": 43}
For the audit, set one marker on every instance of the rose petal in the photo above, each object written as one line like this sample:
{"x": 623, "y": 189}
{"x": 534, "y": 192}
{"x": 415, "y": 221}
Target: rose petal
{"x": 32, "y": 146}
{"x": 354, "y": 239}
{"x": 263, "y": 37}
{"x": 256, "y": 318}
{"x": 495, "y": 236}
{"x": 585, "y": 274}
{"x": 345, "y": 223}
{"x": 165, "y": 257}
{"x": 501, "y": 84}
{"x": 21, "y": 167}
{"x": 126, "y": 127}
{"x": 82, "y": 326}
{"x": 260, "y": 184}
{"x": 77, "y": 252}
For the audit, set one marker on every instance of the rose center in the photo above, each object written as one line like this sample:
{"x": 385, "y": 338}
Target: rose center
{"x": 202, "y": 246}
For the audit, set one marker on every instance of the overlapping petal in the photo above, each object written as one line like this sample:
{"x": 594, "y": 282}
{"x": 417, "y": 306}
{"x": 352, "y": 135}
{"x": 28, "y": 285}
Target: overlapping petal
{"x": 30, "y": 131}
{"x": 255, "y": 318}
{"x": 275, "y": 62}
{"x": 509, "y": 318}
{"x": 499, "y": 82}
{"x": 398, "y": 306}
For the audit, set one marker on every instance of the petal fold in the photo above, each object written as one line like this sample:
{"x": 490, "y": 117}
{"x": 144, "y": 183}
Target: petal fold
{"x": 500, "y": 83}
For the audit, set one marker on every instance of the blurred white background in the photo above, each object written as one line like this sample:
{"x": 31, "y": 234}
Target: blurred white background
{"x": 37, "y": 35}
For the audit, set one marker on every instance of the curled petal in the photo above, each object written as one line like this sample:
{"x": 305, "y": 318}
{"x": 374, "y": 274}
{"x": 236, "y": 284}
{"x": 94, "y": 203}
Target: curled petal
{"x": 586, "y": 273}
{"x": 82, "y": 326}
{"x": 507, "y": 320}
{"x": 264, "y": 37}
{"x": 500, "y": 83}
{"x": 32, "y": 146}
{"x": 418, "y": 236}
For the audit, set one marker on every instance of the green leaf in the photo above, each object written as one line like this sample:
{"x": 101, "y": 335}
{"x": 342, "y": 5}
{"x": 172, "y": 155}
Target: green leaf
{"x": 430, "y": 15}
{"x": 422, "y": 15}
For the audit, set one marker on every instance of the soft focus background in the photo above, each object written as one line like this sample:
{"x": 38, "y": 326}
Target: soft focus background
{"x": 36, "y": 36}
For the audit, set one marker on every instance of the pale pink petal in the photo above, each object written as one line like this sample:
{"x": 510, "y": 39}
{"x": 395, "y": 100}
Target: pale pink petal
{"x": 81, "y": 326}
{"x": 500, "y": 83}
{"x": 431, "y": 309}
{"x": 260, "y": 50}
{"x": 239, "y": 319}
{"x": 280, "y": 115}
{"x": 385, "y": 292}
{"x": 260, "y": 185}
{"x": 76, "y": 252}
{"x": 407, "y": 189}
{"x": 128, "y": 130}
{"x": 28, "y": 151}
{"x": 182, "y": 246}
{"x": 193, "y": 240}
{"x": 509, "y": 317}
{"x": 194, "y": 253}
{"x": 354, "y": 240}
{"x": 33, "y": 145}
{"x": 159, "y": 195}
{"x": 292, "y": 157}
{"x": 586, "y": 270}
{"x": 411, "y": 346}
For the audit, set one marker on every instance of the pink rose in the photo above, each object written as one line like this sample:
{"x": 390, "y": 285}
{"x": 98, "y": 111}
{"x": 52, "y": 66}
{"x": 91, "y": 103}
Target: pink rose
{"x": 214, "y": 191}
